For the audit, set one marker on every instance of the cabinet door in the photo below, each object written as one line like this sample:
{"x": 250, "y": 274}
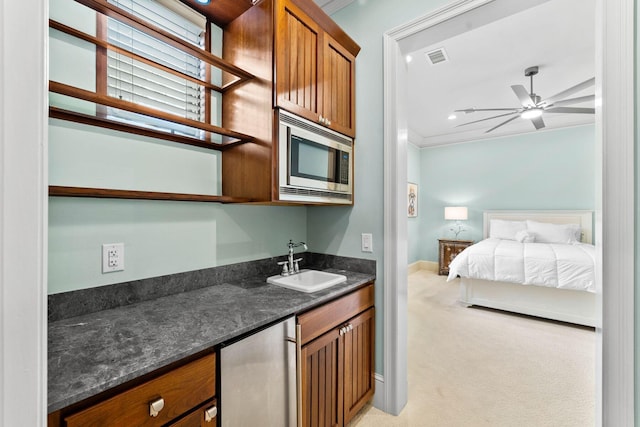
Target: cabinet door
{"x": 338, "y": 87}
{"x": 298, "y": 64}
{"x": 322, "y": 376}
{"x": 358, "y": 363}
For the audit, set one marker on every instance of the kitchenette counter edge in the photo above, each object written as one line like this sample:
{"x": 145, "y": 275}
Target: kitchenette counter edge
{"x": 94, "y": 352}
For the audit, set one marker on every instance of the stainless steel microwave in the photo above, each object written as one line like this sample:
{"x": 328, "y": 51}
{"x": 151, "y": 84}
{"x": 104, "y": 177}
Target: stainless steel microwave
{"x": 315, "y": 163}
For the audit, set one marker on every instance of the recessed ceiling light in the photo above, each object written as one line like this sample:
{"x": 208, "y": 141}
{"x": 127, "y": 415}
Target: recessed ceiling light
{"x": 452, "y": 117}
{"x": 408, "y": 58}
{"x": 203, "y": 1}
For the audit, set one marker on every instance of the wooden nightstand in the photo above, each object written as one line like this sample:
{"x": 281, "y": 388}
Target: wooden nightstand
{"x": 448, "y": 251}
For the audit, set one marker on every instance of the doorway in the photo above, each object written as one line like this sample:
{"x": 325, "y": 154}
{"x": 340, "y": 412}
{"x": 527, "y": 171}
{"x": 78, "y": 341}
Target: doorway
{"x": 614, "y": 221}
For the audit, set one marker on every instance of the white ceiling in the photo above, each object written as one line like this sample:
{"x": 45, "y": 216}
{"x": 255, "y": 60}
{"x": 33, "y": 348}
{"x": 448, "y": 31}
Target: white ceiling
{"x": 488, "y": 53}
{"x": 332, "y": 6}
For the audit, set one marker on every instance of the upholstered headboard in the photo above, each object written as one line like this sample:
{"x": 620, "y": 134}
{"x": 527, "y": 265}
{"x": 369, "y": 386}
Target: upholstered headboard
{"x": 582, "y": 218}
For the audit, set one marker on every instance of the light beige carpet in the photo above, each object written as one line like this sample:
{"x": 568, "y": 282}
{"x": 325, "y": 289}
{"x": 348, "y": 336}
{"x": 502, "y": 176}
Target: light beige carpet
{"x": 480, "y": 367}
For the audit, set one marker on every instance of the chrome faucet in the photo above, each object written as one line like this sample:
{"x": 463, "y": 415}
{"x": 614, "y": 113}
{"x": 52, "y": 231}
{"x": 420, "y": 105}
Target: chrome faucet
{"x": 291, "y": 265}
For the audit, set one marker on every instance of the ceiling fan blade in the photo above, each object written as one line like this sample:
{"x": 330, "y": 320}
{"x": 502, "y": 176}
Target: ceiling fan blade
{"x": 473, "y": 110}
{"x": 577, "y": 88}
{"x": 503, "y": 123}
{"x": 578, "y": 100}
{"x": 574, "y": 110}
{"x": 538, "y": 122}
{"x": 523, "y": 96}
{"x": 488, "y": 118}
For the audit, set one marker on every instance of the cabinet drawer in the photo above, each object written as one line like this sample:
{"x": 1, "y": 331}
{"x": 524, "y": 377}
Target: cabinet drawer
{"x": 315, "y": 322}
{"x": 199, "y": 418}
{"x": 182, "y": 389}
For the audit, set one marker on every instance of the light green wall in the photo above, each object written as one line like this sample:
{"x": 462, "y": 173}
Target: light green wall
{"x": 337, "y": 230}
{"x": 413, "y": 224}
{"x": 161, "y": 237}
{"x": 552, "y": 169}
{"x": 87, "y": 156}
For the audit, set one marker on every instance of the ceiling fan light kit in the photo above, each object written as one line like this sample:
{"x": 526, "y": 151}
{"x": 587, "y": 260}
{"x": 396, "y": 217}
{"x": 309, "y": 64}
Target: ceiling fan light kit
{"x": 531, "y": 113}
{"x": 533, "y": 106}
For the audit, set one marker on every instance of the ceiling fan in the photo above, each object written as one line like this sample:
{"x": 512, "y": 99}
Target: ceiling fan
{"x": 533, "y": 107}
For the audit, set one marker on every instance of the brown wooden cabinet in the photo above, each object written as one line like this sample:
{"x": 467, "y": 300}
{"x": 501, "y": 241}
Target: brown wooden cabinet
{"x": 302, "y": 62}
{"x": 298, "y": 60}
{"x": 322, "y": 375}
{"x": 314, "y": 72}
{"x": 338, "y": 87}
{"x": 184, "y": 397}
{"x": 358, "y": 363}
{"x": 337, "y": 359}
{"x": 448, "y": 250}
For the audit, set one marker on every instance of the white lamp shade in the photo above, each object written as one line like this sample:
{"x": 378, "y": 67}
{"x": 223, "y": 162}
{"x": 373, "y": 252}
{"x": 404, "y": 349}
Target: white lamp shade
{"x": 455, "y": 213}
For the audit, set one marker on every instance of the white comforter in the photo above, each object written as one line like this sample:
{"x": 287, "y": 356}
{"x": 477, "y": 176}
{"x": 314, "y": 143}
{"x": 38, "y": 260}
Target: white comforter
{"x": 544, "y": 264}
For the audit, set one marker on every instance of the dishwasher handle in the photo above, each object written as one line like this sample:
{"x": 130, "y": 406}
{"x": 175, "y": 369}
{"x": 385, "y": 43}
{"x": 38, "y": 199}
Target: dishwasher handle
{"x": 298, "y": 342}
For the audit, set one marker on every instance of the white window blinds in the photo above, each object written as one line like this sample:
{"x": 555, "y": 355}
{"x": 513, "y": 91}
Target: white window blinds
{"x": 135, "y": 81}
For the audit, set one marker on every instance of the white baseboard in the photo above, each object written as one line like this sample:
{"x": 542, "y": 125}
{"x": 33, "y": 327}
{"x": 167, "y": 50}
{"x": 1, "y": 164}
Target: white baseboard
{"x": 379, "y": 397}
{"x": 422, "y": 265}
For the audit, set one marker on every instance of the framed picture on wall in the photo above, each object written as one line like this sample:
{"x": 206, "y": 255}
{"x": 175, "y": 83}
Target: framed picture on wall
{"x": 412, "y": 200}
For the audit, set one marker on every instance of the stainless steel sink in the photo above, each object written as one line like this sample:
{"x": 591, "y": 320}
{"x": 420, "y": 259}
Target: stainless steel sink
{"x": 308, "y": 280}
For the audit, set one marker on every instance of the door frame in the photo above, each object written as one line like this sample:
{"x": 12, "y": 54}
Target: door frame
{"x": 614, "y": 219}
{"x": 23, "y": 212}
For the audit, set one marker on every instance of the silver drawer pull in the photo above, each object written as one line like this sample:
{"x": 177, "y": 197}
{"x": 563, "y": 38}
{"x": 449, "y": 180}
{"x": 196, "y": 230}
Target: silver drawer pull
{"x": 155, "y": 407}
{"x": 210, "y": 414}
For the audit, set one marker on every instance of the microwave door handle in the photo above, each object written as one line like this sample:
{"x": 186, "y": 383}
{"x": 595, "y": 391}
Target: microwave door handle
{"x": 288, "y": 155}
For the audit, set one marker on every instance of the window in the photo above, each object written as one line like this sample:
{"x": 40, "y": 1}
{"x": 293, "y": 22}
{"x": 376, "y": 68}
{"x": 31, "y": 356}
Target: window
{"x": 133, "y": 80}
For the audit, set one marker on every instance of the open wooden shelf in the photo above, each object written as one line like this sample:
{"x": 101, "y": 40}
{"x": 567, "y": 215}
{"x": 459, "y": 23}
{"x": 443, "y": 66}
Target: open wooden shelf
{"x": 108, "y": 101}
{"x": 105, "y": 122}
{"x": 103, "y": 193}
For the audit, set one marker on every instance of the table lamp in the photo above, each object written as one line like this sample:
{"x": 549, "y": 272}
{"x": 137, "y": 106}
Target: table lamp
{"x": 457, "y": 214}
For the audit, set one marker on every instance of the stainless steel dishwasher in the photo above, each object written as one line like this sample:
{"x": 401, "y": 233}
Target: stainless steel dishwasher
{"x": 258, "y": 379}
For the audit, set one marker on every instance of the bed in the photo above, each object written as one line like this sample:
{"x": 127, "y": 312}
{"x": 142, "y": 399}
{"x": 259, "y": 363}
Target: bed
{"x": 552, "y": 279}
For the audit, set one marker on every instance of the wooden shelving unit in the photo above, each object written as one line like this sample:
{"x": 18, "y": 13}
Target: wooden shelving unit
{"x": 214, "y": 137}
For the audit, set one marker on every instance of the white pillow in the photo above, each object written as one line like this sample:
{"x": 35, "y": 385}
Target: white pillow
{"x": 524, "y": 236}
{"x": 554, "y": 233}
{"x": 507, "y": 230}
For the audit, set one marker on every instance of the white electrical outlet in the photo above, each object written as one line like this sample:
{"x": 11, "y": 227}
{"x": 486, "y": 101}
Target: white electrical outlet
{"x": 367, "y": 242}
{"x": 112, "y": 257}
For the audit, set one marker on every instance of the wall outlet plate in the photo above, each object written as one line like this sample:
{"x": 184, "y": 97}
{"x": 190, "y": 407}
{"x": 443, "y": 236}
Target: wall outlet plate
{"x": 112, "y": 257}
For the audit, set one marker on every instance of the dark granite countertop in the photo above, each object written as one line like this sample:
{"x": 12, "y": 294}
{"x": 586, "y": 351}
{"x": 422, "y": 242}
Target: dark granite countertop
{"x": 94, "y": 352}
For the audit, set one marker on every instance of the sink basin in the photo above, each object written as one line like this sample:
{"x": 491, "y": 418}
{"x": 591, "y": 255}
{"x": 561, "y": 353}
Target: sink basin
{"x": 308, "y": 280}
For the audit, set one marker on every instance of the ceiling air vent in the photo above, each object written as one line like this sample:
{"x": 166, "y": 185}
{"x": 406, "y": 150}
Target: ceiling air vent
{"x": 437, "y": 56}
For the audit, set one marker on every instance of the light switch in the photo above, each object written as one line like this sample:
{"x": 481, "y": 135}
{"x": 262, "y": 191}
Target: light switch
{"x": 367, "y": 242}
